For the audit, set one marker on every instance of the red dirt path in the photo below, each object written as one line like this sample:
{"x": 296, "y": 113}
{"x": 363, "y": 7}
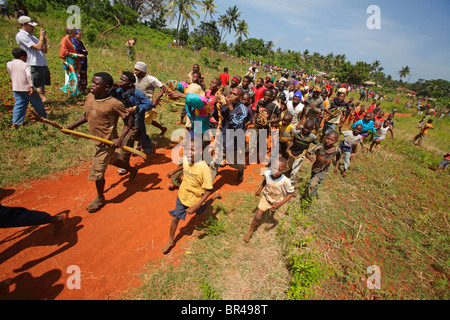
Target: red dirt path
{"x": 110, "y": 246}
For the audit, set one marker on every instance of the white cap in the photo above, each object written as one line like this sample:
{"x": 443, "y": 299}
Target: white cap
{"x": 27, "y": 20}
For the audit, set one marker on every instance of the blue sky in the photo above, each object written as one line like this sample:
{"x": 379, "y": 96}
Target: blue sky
{"x": 413, "y": 33}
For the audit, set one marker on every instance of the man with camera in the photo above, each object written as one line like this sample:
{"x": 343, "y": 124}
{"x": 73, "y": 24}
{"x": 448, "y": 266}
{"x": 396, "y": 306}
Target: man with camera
{"x": 36, "y": 50}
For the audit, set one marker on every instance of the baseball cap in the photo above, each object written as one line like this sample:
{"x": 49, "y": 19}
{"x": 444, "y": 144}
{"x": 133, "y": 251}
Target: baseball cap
{"x": 27, "y": 20}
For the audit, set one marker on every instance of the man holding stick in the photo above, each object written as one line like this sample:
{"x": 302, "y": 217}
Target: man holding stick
{"x": 102, "y": 112}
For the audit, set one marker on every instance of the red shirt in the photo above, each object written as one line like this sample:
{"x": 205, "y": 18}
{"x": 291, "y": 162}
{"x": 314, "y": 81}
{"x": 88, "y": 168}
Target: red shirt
{"x": 224, "y": 77}
{"x": 358, "y": 115}
{"x": 259, "y": 94}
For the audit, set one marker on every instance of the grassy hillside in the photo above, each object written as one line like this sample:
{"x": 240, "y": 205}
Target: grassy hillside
{"x": 390, "y": 211}
{"x": 36, "y": 143}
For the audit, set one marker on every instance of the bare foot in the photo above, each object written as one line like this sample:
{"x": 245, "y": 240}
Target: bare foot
{"x": 247, "y": 237}
{"x": 163, "y": 131}
{"x": 171, "y": 186}
{"x": 96, "y": 205}
{"x": 167, "y": 247}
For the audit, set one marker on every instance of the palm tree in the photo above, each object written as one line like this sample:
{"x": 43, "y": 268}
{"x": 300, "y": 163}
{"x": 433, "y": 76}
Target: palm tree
{"x": 305, "y": 55}
{"x": 233, "y": 15}
{"x": 225, "y": 23}
{"x": 242, "y": 30}
{"x": 269, "y": 47}
{"x": 404, "y": 72}
{"x": 375, "y": 65}
{"x": 184, "y": 9}
{"x": 208, "y": 7}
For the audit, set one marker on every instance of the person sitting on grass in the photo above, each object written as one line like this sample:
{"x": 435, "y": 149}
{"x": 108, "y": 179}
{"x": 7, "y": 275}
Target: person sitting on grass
{"x": 381, "y": 134}
{"x": 324, "y": 152}
{"x": 443, "y": 165}
{"x": 102, "y": 112}
{"x": 195, "y": 189}
{"x": 351, "y": 137}
{"x": 277, "y": 189}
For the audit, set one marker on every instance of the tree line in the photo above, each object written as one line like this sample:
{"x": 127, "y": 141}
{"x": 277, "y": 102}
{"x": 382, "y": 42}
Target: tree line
{"x": 160, "y": 14}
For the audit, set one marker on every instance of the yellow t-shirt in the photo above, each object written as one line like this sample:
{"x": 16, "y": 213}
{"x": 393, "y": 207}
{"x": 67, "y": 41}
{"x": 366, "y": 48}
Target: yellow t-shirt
{"x": 426, "y": 127}
{"x": 286, "y": 131}
{"x": 196, "y": 180}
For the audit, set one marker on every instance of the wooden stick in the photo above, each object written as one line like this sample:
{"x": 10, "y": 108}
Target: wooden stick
{"x": 88, "y": 136}
{"x": 85, "y": 135}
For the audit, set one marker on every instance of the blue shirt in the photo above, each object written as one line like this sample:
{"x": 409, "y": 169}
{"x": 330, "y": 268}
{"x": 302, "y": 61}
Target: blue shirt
{"x": 366, "y": 126}
{"x": 232, "y": 119}
{"x": 139, "y": 99}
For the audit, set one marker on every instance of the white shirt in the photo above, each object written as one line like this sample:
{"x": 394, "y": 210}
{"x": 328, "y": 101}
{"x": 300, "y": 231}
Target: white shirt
{"x": 294, "y": 111}
{"x": 26, "y": 41}
{"x": 382, "y": 131}
{"x": 276, "y": 190}
{"x": 350, "y": 139}
{"x": 20, "y": 75}
{"x": 148, "y": 84}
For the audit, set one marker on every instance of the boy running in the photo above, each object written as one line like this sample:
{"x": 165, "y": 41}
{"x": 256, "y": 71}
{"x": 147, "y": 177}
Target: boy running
{"x": 298, "y": 146}
{"x": 102, "y": 112}
{"x": 194, "y": 190}
{"x": 422, "y": 132}
{"x": 350, "y": 138}
{"x": 324, "y": 152}
{"x": 277, "y": 189}
{"x": 381, "y": 134}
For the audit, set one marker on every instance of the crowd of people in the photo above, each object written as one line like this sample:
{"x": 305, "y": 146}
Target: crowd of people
{"x": 295, "y": 117}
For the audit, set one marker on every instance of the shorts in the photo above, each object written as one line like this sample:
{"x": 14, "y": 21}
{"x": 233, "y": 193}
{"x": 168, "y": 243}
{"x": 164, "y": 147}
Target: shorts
{"x": 40, "y": 76}
{"x": 180, "y": 210}
{"x": 378, "y": 137}
{"x": 264, "y": 205}
{"x": 444, "y": 163}
{"x": 150, "y": 116}
{"x": 328, "y": 127}
{"x": 103, "y": 156}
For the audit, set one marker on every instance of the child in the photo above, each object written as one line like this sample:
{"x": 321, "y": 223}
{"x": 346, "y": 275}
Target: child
{"x": 266, "y": 114}
{"x": 346, "y": 146}
{"x": 299, "y": 145}
{"x": 286, "y": 133}
{"x": 246, "y": 99}
{"x": 333, "y": 114}
{"x": 391, "y": 118}
{"x": 378, "y": 120}
{"x": 102, "y": 112}
{"x": 422, "y": 132}
{"x": 325, "y": 152}
{"x": 353, "y": 112}
{"x": 381, "y": 134}
{"x": 277, "y": 189}
{"x": 359, "y": 114}
{"x": 444, "y": 163}
{"x": 194, "y": 190}
{"x": 23, "y": 89}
